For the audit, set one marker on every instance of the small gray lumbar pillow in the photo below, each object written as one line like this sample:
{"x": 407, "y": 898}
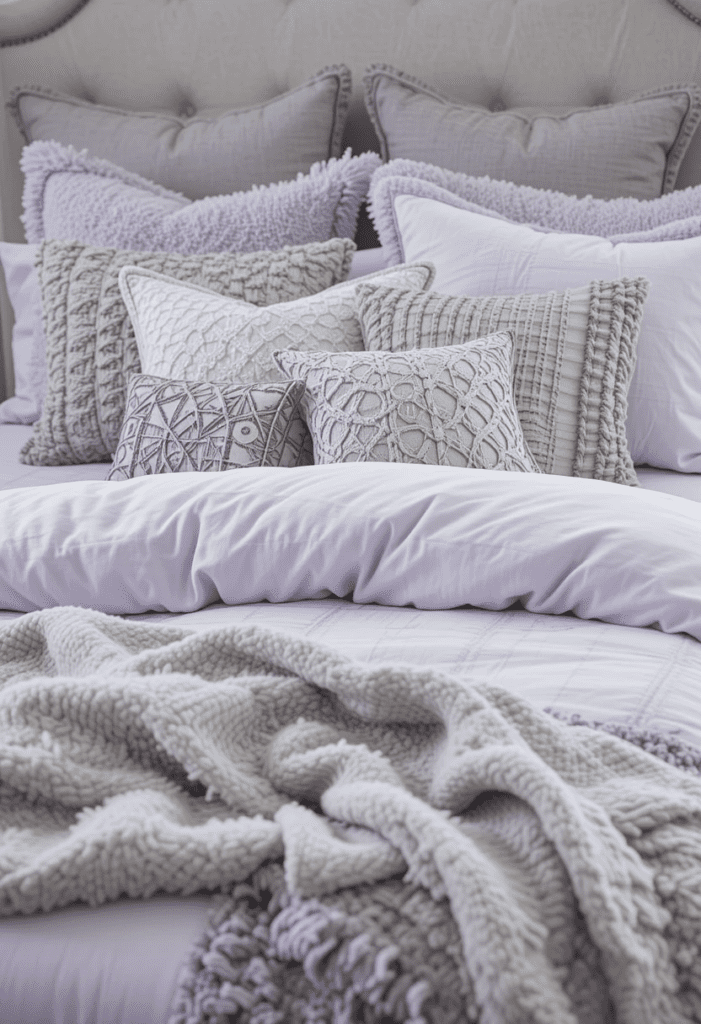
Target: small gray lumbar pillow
{"x": 631, "y": 148}
{"x": 574, "y": 355}
{"x": 450, "y": 406}
{"x": 90, "y": 346}
{"x": 200, "y": 153}
{"x": 177, "y": 426}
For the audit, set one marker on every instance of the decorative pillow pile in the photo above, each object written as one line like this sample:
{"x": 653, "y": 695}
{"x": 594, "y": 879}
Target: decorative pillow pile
{"x": 574, "y": 354}
{"x": 193, "y": 334}
{"x": 204, "y": 152}
{"x": 478, "y": 255}
{"x": 174, "y": 426}
{"x": 631, "y": 148}
{"x": 70, "y": 195}
{"x": 91, "y": 349}
{"x": 673, "y": 216}
{"x": 450, "y": 406}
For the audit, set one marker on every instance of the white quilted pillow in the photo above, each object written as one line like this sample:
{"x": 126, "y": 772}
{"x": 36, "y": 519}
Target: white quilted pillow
{"x": 191, "y": 333}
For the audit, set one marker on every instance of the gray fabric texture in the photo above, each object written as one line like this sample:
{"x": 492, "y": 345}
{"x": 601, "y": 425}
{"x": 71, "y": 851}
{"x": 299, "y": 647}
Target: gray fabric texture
{"x": 631, "y": 148}
{"x": 136, "y": 757}
{"x": 574, "y": 355}
{"x": 388, "y": 947}
{"x": 450, "y": 406}
{"x": 68, "y": 194}
{"x": 178, "y": 426}
{"x": 90, "y": 345}
{"x": 207, "y": 153}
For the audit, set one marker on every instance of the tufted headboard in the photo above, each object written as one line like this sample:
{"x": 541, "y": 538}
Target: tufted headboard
{"x": 184, "y": 55}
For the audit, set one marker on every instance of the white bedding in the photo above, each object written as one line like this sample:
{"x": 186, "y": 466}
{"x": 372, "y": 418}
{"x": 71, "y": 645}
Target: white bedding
{"x": 119, "y": 964}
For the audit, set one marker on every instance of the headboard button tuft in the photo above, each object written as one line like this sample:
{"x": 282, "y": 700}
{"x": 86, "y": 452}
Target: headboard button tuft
{"x": 497, "y": 105}
{"x": 187, "y": 110}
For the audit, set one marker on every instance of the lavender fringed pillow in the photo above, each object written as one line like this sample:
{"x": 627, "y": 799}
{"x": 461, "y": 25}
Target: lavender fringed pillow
{"x": 71, "y": 195}
{"x": 673, "y": 216}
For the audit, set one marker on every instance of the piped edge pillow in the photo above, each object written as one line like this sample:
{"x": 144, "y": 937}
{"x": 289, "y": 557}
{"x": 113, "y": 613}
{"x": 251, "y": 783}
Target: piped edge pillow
{"x": 630, "y": 148}
{"x": 204, "y": 152}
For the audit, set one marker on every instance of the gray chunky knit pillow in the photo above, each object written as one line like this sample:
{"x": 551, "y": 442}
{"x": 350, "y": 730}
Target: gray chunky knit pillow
{"x": 451, "y": 406}
{"x": 90, "y": 345}
{"x": 574, "y": 354}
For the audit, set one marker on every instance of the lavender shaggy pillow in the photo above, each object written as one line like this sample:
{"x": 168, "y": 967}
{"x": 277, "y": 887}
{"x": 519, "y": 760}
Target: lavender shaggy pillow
{"x": 73, "y": 196}
{"x": 673, "y": 216}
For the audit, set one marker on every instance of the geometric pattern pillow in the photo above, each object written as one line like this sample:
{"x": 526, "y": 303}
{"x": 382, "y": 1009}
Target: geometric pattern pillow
{"x": 574, "y": 354}
{"x": 91, "y": 351}
{"x": 188, "y": 333}
{"x": 175, "y": 426}
{"x": 450, "y": 406}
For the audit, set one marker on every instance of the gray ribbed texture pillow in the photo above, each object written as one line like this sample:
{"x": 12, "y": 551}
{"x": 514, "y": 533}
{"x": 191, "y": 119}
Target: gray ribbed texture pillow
{"x": 631, "y": 148}
{"x": 574, "y": 354}
{"x": 90, "y": 345}
{"x": 451, "y": 406}
{"x": 178, "y": 426}
{"x": 204, "y": 152}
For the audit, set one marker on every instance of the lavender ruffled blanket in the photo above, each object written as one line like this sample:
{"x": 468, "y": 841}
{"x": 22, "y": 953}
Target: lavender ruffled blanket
{"x": 392, "y": 843}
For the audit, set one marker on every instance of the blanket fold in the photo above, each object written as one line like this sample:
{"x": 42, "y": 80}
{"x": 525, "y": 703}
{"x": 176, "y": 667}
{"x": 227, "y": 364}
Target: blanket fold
{"x": 565, "y": 862}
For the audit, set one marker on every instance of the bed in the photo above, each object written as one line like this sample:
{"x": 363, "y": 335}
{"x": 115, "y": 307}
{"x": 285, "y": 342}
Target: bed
{"x": 273, "y": 743}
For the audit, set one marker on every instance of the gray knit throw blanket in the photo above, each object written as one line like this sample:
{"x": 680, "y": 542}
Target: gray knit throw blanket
{"x": 396, "y": 844}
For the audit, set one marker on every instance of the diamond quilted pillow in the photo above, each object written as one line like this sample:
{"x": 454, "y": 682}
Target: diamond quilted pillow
{"x": 450, "y": 406}
{"x": 176, "y": 426}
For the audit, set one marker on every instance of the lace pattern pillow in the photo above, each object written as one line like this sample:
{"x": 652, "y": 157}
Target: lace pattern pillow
{"x": 449, "y": 406}
{"x": 91, "y": 350}
{"x": 574, "y": 354}
{"x": 190, "y": 333}
{"x": 176, "y": 426}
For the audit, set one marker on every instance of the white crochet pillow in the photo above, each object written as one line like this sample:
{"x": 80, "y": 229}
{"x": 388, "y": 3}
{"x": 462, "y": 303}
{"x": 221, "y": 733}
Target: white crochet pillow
{"x": 70, "y": 195}
{"x": 450, "y": 406}
{"x": 192, "y": 333}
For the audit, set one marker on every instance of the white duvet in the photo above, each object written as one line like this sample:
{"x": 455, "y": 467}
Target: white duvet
{"x": 431, "y": 537}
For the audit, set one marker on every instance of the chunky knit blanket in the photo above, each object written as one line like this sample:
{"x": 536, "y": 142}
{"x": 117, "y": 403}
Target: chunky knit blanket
{"x": 538, "y": 872}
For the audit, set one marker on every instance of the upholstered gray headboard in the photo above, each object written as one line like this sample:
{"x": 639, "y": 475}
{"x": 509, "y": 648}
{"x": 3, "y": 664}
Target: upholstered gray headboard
{"x": 183, "y": 55}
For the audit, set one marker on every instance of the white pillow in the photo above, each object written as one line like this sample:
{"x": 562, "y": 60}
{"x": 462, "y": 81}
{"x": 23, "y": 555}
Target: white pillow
{"x": 480, "y": 255}
{"x": 28, "y": 339}
{"x": 191, "y": 333}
